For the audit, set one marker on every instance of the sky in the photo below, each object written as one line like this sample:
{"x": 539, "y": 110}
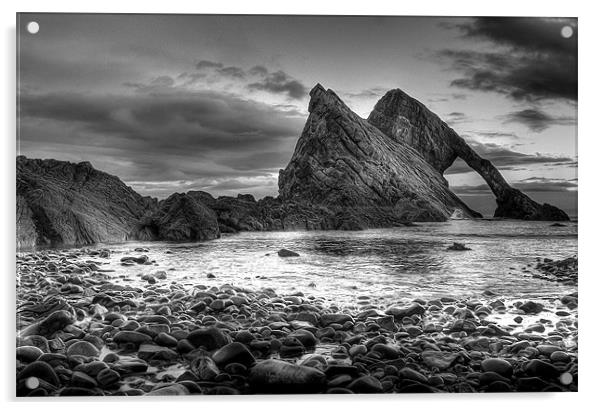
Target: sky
{"x": 172, "y": 103}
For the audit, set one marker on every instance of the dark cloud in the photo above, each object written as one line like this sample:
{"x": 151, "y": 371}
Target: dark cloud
{"x": 219, "y": 68}
{"x": 537, "y": 120}
{"x": 533, "y": 61}
{"x": 533, "y": 184}
{"x": 277, "y": 82}
{"x": 155, "y": 84}
{"x": 231, "y": 71}
{"x": 280, "y": 83}
{"x": 504, "y": 158}
{"x": 525, "y": 33}
{"x": 163, "y": 136}
{"x": 259, "y": 160}
{"x": 203, "y": 64}
{"x": 204, "y": 120}
{"x": 259, "y": 70}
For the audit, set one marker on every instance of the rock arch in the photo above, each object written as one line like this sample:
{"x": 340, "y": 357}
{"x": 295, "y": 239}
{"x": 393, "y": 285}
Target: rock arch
{"x": 404, "y": 119}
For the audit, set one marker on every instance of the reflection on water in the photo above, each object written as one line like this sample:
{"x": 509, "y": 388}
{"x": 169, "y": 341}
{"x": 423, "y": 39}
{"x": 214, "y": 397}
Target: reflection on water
{"x": 387, "y": 264}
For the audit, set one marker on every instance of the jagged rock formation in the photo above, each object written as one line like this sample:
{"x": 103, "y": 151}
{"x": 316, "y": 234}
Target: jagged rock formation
{"x": 407, "y": 121}
{"x": 345, "y": 173}
{"x": 181, "y": 217}
{"x": 61, "y": 203}
{"x": 346, "y": 164}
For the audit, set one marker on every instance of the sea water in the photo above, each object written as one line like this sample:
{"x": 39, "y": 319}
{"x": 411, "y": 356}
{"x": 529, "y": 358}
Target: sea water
{"x": 385, "y": 264}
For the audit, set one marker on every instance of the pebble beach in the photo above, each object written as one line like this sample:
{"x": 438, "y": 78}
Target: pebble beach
{"x": 82, "y": 332}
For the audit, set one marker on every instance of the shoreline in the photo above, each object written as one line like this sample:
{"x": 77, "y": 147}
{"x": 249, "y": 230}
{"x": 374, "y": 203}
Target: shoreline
{"x": 82, "y": 334}
{"x": 40, "y": 248}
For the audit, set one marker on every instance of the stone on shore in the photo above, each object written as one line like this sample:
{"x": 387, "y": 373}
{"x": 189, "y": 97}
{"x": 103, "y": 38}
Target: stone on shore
{"x": 210, "y": 338}
{"x": 48, "y": 326}
{"x": 82, "y": 348}
{"x": 234, "y": 352}
{"x": 40, "y": 370}
{"x": 366, "y": 384}
{"x": 277, "y": 376}
{"x": 131, "y": 336}
{"x": 399, "y": 312}
{"x": 285, "y": 253}
{"x": 28, "y": 354}
{"x": 499, "y": 366}
{"x": 175, "y": 389}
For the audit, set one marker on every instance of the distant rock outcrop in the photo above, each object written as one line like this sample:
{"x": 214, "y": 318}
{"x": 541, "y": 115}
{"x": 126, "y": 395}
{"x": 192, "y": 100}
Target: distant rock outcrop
{"x": 61, "y": 203}
{"x": 181, "y": 217}
{"x": 346, "y": 164}
{"x": 407, "y": 121}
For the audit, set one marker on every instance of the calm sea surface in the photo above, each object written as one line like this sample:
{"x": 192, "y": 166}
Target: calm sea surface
{"x": 386, "y": 264}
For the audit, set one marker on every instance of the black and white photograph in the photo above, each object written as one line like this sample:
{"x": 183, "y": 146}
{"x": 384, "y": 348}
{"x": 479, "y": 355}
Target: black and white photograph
{"x": 212, "y": 204}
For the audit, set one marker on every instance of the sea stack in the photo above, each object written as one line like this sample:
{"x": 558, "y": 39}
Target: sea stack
{"x": 345, "y": 163}
{"x": 407, "y": 121}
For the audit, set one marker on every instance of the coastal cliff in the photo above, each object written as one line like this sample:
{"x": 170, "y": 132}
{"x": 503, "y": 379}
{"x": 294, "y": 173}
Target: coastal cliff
{"x": 62, "y": 203}
{"x": 345, "y": 173}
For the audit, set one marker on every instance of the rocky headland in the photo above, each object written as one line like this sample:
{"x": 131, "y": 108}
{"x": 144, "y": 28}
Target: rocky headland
{"x": 345, "y": 173}
{"x": 61, "y": 203}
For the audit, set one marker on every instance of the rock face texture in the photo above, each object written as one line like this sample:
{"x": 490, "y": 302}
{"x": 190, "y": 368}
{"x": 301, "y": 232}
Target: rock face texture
{"x": 346, "y": 164}
{"x": 61, "y": 203}
{"x": 407, "y": 121}
{"x": 181, "y": 217}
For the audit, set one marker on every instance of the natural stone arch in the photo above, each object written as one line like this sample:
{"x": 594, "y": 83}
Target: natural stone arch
{"x": 406, "y": 120}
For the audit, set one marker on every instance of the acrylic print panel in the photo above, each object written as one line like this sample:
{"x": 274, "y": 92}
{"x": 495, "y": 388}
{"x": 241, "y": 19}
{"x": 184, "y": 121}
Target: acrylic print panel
{"x": 213, "y": 204}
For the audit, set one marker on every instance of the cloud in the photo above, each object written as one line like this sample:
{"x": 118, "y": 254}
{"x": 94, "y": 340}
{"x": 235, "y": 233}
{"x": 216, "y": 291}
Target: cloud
{"x": 259, "y": 160}
{"x": 537, "y": 120}
{"x": 280, "y": 83}
{"x": 157, "y": 83}
{"x": 167, "y": 134}
{"x": 236, "y": 72}
{"x": 493, "y": 135}
{"x": 374, "y": 92}
{"x": 276, "y": 82}
{"x": 218, "y": 186}
{"x": 528, "y": 61}
{"x": 505, "y": 158}
{"x": 443, "y": 97}
{"x": 533, "y": 184}
{"x": 455, "y": 117}
{"x": 525, "y": 33}
{"x": 203, "y": 64}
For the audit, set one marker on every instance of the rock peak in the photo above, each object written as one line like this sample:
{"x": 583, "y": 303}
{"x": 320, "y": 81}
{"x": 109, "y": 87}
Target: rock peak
{"x": 324, "y": 99}
{"x": 345, "y": 164}
{"x": 317, "y": 89}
